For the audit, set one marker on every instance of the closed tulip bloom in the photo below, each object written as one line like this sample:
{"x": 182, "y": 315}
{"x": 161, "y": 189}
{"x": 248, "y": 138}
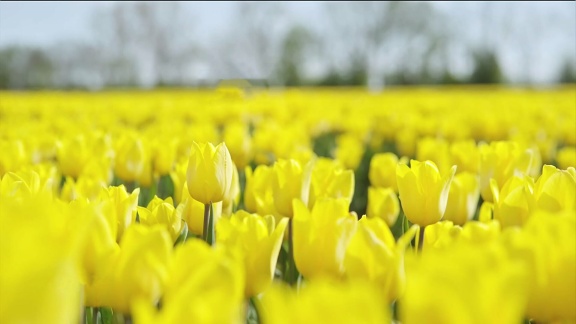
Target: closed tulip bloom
{"x": 123, "y": 208}
{"x": 73, "y": 155}
{"x": 164, "y": 155}
{"x": 514, "y": 202}
{"x": 555, "y": 189}
{"x": 423, "y": 191}
{"x": 321, "y": 237}
{"x": 463, "y": 198}
{"x": 210, "y": 172}
{"x": 258, "y": 240}
{"x": 383, "y": 203}
{"x": 382, "y": 172}
{"x": 291, "y": 181}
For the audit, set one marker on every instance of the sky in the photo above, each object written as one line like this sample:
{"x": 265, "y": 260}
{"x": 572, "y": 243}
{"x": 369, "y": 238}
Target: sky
{"x": 530, "y": 37}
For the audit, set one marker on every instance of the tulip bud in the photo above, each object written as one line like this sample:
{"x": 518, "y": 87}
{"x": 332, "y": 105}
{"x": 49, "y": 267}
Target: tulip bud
{"x": 463, "y": 198}
{"x": 210, "y": 172}
{"x": 383, "y": 203}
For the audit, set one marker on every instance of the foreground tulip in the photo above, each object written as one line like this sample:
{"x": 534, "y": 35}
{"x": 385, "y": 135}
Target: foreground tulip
{"x": 324, "y": 301}
{"x": 423, "y": 191}
{"x": 259, "y": 242}
{"x": 137, "y": 271}
{"x": 463, "y": 198}
{"x": 464, "y": 284}
{"x": 547, "y": 244}
{"x": 210, "y": 172}
{"x": 321, "y": 237}
{"x": 205, "y": 286}
{"x": 383, "y": 203}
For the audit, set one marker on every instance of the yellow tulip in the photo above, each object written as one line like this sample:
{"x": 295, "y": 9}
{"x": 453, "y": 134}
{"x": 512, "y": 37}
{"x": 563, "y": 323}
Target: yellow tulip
{"x": 463, "y": 198}
{"x": 205, "y": 285}
{"x": 555, "y": 189}
{"x": 547, "y": 245}
{"x": 291, "y": 181}
{"x": 130, "y": 158}
{"x": 239, "y": 143}
{"x": 193, "y": 212}
{"x": 232, "y": 197}
{"x": 73, "y": 156}
{"x": 258, "y": 193}
{"x": 162, "y": 212}
{"x": 463, "y": 284}
{"x": 137, "y": 271}
{"x": 39, "y": 257}
{"x": 465, "y": 155}
{"x": 373, "y": 255}
{"x": 514, "y": 202}
{"x": 436, "y": 150}
{"x": 178, "y": 176}
{"x": 349, "y": 150}
{"x": 164, "y": 155}
{"x": 210, "y": 172}
{"x": 259, "y": 242}
{"x": 321, "y": 237}
{"x": 13, "y": 155}
{"x": 323, "y": 301}
{"x": 123, "y": 208}
{"x": 382, "y": 172}
{"x": 383, "y": 203}
{"x": 330, "y": 179}
{"x": 499, "y": 161}
{"x": 423, "y": 191}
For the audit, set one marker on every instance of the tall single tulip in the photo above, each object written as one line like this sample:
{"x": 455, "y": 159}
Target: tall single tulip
{"x": 423, "y": 191}
{"x": 210, "y": 172}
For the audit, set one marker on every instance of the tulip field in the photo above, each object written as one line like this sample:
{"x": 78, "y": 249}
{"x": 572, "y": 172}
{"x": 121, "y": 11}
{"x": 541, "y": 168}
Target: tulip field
{"x": 304, "y": 205}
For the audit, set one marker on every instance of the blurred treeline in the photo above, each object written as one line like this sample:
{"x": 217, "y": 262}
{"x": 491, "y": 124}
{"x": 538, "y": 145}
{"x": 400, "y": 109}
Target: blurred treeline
{"x": 153, "y": 44}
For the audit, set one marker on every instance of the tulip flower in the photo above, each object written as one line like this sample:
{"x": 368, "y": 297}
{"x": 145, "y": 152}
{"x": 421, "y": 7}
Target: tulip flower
{"x": 210, "y": 172}
{"x": 13, "y": 157}
{"x": 291, "y": 181}
{"x": 555, "y": 189}
{"x": 514, "y": 202}
{"x": 123, "y": 208}
{"x": 485, "y": 288}
{"x": 232, "y": 197}
{"x": 382, "y": 172}
{"x": 500, "y": 161}
{"x": 162, "y": 212}
{"x": 324, "y": 301}
{"x": 463, "y": 198}
{"x": 465, "y": 155}
{"x": 349, "y": 151}
{"x": 321, "y": 237}
{"x": 373, "y": 255}
{"x": 164, "y": 155}
{"x": 330, "y": 179}
{"x": 547, "y": 246}
{"x": 259, "y": 241}
{"x": 193, "y": 212}
{"x": 130, "y": 158}
{"x": 434, "y": 149}
{"x": 73, "y": 156}
{"x": 137, "y": 271}
{"x": 383, "y": 203}
{"x": 205, "y": 285}
{"x": 423, "y": 191}
{"x": 258, "y": 193}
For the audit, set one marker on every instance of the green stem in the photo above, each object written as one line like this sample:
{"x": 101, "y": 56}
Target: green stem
{"x": 206, "y": 220}
{"x": 421, "y": 238}
{"x": 208, "y": 229}
{"x": 292, "y": 271}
